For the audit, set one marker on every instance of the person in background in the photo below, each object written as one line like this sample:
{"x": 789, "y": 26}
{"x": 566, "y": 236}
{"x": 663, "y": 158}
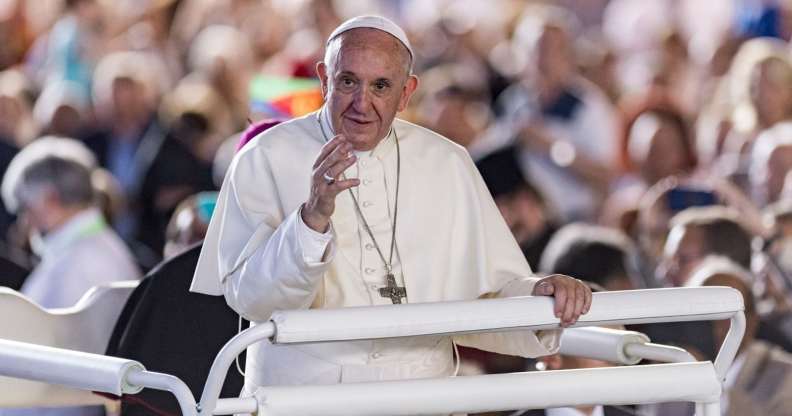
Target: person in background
{"x": 63, "y": 109}
{"x": 694, "y": 233}
{"x": 49, "y": 184}
{"x": 759, "y": 382}
{"x": 176, "y": 172}
{"x": 71, "y": 48}
{"x": 523, "y": 207}
{"x": 456, "y": 103}
{"x": 597, "y": 254}
{"x": 770, "y": 162}
{"x": 565, "y": 125}
{"x": 698, "y": 232}
{"x": 657, "y": 144}
{"x": 17, "y": 129}
{"x": 189, "y": 223}
{"x": 764, "y": 80}
{"x": 672, "y": 195}
{"x": 126, "y": 96}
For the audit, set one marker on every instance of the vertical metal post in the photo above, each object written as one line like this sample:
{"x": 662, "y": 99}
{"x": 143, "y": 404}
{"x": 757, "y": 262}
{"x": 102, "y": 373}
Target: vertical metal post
{"x": 708, "y": 409}
{"x": 224, "y": 359}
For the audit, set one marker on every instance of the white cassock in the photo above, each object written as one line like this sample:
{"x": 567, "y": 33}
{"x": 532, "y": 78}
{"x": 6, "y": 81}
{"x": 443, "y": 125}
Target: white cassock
{"x": 451, "y": 244}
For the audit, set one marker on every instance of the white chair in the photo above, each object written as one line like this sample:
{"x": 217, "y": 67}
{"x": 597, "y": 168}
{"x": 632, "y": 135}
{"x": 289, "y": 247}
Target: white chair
{"x": 84, "y": 327}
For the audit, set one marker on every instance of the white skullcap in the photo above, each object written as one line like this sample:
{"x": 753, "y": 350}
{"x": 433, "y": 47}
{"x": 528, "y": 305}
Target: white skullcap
{"x": 374, "y": 22}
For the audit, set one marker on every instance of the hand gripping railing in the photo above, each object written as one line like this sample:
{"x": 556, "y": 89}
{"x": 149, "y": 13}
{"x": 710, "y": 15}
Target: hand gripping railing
{"x": 698, "y": 382}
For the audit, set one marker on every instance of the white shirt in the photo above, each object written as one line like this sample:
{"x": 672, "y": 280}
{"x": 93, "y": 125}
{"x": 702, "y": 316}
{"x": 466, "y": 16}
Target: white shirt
{"x": 83, "y": 253}
{"x": 451, "y": 244}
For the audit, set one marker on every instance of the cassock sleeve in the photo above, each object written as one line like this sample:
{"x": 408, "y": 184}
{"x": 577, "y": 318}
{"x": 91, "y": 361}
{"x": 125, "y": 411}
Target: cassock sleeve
{"x": 504, "y": 272}
{"x": 278, "y": 267}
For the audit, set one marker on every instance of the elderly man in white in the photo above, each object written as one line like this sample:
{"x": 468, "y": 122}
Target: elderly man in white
{"x": 350, "y": 206}
{"x": 49, "y": 185}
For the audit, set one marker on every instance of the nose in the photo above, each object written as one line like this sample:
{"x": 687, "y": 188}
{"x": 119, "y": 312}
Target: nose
{"x": 361, "y": 101}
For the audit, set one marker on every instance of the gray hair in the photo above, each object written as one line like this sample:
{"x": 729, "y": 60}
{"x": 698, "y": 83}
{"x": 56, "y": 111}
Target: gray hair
{"x": 40, "y": 165}
{"x": 70, "y": 181}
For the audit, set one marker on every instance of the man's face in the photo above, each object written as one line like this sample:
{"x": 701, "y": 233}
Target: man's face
{"x": 684, "y": 249}
{"x": 129, "y": 99}
{"x": 366, "y": 85}
{"x": 770, "y": 91}
{"x": 36, "y": 212}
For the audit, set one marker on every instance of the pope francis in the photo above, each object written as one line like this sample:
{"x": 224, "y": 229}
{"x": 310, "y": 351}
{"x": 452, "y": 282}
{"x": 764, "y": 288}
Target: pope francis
{"x": 350, "y": 206}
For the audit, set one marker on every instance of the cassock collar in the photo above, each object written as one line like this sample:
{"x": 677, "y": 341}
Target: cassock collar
{"x": 381, "y": 151}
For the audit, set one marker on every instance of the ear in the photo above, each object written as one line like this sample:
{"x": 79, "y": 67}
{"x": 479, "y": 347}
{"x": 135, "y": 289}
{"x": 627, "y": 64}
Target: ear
{"x": 321, "y": 70}
{"x": 409, "y": 88}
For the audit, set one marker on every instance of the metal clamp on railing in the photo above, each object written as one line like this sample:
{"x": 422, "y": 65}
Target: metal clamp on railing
{"x": 449, "y": 318}
{"x": 618, "y": 346}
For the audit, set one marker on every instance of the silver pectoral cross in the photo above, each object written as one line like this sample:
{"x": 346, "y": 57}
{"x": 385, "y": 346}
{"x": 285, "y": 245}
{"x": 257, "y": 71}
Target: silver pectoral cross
{"x": 392, "y": 290}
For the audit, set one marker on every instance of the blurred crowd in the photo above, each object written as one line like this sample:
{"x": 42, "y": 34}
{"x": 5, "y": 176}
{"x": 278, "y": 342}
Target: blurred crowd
{"x": 633, "y": 144}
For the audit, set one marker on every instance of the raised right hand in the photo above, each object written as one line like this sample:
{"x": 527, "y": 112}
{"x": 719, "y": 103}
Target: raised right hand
{"x": 333, "y": 160}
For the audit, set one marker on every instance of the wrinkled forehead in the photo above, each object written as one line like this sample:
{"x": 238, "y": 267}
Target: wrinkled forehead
{"x": 359, "y": 39}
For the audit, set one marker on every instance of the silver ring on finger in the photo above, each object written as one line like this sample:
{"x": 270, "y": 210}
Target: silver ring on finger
{"x": 328, "y": 179}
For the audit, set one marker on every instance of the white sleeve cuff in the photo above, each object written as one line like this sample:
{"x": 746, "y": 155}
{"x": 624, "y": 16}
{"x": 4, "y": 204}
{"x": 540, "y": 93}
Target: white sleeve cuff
{"x": 312, "y": 244}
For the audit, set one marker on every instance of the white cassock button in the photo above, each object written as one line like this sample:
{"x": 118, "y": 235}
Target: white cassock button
{"x": 366, "y": 181}
{"x": 369, "y": 270}
{"x": 376, "y": 355}
{"x": 369, "y": 246}
{"x": 363, "y": 163}
{"x": 373, "y": 286}
{"x": 367, "y": 204}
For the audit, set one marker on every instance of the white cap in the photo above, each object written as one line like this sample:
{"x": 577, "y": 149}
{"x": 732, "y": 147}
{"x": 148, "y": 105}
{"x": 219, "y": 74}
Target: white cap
{"x": 374, "y": 22}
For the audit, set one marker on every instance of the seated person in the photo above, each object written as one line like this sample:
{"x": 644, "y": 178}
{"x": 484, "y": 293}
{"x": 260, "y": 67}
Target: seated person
{"x": 701, "y": 231}
{"x": 759, "y": 382}
{"x": 596, "y": 254}
{"x": 523, "y": 207}
{"x": 50, "y": 187}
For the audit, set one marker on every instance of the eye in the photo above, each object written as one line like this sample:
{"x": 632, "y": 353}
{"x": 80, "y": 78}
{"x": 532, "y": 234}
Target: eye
{"x": 347, "y": 82}
{"x": 381, "y": 85}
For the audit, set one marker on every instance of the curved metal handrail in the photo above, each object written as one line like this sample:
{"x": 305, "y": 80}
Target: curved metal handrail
{"x": 520, "y": 313}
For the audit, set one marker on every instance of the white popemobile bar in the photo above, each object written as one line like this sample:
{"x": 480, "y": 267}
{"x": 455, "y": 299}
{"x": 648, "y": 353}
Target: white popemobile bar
{"x": 680, "y": 378}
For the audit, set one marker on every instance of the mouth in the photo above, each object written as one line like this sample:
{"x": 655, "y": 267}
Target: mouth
{"x": 356, "y": 122}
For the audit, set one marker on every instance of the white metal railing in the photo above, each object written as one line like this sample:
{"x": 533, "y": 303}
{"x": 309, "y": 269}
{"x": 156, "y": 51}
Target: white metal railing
{"x": 681, "y": 380}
